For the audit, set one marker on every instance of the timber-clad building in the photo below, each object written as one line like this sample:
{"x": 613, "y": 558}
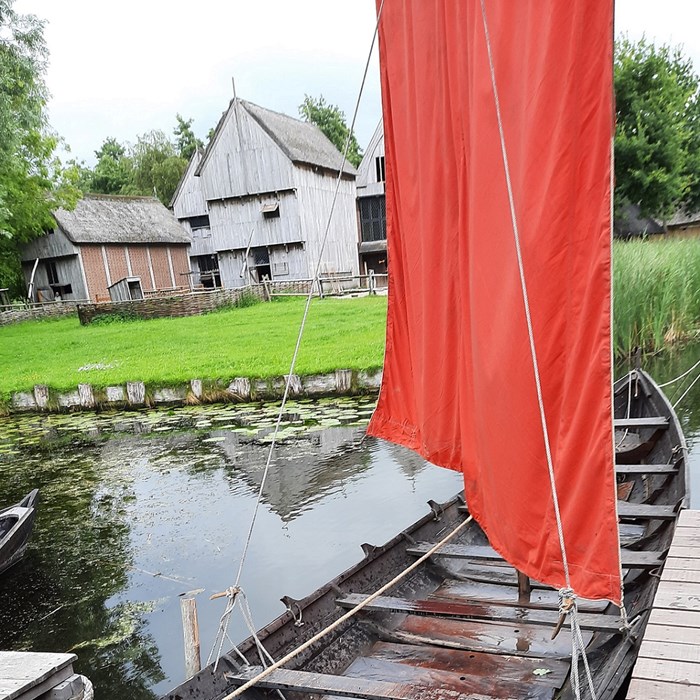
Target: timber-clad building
{"x": 105, "y": 240}
{"x": 371, "y": 205}
{"x": 256, "y": 202}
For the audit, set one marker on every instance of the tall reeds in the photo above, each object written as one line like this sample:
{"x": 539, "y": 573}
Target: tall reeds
{"x": 656, "y": 292}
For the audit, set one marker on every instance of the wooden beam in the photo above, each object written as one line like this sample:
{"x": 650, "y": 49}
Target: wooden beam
{"x": 481, "y": 610}
{"x": 646, "y": 422}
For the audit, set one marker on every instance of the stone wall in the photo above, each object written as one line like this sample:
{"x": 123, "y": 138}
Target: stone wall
{"x": 35, "y": 312}
{"x": 238, "y": 390}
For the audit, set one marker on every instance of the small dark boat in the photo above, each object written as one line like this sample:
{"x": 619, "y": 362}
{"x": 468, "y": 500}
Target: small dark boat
{"x": 16, "y": 524}
{"x": 464, "y": 624}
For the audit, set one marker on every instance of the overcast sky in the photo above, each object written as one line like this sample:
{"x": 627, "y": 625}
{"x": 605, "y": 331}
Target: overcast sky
{"x": 122, "y": 68}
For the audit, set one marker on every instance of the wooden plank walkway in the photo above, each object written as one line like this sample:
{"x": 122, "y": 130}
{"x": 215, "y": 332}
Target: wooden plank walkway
{"x": 668, "y": 667}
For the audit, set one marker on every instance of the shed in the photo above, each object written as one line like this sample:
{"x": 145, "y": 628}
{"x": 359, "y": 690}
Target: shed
{"x": 105, "y": 239}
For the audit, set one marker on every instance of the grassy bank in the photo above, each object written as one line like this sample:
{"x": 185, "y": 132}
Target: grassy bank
{"x": 656, "y": 293}
{"x": 256, "y": 341}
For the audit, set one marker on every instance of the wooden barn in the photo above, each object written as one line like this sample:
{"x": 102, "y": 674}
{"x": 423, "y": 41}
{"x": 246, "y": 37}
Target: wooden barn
{"x": 371, "y": 209}
{"x": 257, "y": 201}
{"x": 106, "y": 240}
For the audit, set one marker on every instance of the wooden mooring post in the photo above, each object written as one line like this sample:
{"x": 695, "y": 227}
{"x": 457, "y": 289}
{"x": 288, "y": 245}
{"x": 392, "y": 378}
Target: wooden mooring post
{"x": 668, "y": 666}
{"x": 190, "y": 628}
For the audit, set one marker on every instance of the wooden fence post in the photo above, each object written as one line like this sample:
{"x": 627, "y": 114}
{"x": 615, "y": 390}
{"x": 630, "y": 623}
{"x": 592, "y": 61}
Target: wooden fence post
{"x": 190, "y": 628}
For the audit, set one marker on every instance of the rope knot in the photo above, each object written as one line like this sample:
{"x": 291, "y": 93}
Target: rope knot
{"x": 567, "y": 601}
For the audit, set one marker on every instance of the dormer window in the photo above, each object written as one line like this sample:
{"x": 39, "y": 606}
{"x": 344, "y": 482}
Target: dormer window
{"x": 271, "y": 211}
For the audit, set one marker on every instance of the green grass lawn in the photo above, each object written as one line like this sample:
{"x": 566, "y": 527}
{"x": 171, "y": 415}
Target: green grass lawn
{"x": 257, "y": 341}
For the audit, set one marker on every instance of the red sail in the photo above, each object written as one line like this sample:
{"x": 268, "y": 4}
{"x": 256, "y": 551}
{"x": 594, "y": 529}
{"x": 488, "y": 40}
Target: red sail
{"x": 459, "y": 385}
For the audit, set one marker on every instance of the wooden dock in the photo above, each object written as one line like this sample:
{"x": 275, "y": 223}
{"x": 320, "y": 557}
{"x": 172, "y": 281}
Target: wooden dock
{"x": 668, "y": 667}
{"x": 29, "y": 675}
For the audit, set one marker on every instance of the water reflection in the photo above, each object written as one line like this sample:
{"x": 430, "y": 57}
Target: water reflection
{"x": 140, "y": 508}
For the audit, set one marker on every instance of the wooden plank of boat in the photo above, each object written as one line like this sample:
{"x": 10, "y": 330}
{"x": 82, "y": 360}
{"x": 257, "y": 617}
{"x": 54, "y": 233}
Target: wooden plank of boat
{"x": 543, "y": 599}
{"x": 645, "y": 511}
{"x": 468, "y": 681}
{"x": 424, "y": 685}
{"x": 646, "y": 469}
{"x": 645, "y": 422}
{"x": 504, "y": 667}
{"x": 630, "y": 559}
{"x": 519, "y": 639}
{"x": 474, "y": 610}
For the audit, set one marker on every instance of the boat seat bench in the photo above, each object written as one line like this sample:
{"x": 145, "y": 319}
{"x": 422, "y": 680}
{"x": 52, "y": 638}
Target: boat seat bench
{"x": 478, "y": 610}
{"x": 630, "y": 559}
{"x": 631, "y": 511}
{"x": 655, "y": 422}
{"x": 646, "y": 469}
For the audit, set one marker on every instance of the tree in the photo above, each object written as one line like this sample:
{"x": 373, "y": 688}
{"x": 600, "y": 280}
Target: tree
{"x": 331, "y": 121}
{"x": 157, "y": 167}
{"x": 33, "y": 181}
{"x": 113, "y": 172}
{"x": 657, "y": 142}
{"x": 185, "y": 140}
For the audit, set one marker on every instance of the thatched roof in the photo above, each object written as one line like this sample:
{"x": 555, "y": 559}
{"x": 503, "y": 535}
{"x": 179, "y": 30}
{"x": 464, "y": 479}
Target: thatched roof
{"x": 302, "y": 142}
{"x": 683, "y": 218}
{"x": 101, "y": 218}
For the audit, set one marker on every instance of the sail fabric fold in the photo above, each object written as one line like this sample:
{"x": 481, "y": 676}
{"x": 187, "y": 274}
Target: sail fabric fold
{"x": 458, "y": 385}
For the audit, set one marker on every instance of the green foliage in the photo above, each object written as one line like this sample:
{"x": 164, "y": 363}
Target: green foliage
{"x": 33, "y": 181}
{"x": 115, "y": 317}
{"x": 245, "y": 300}
{"x": 157, "y": 167}
{"x": 656, "y": 292}
{"x": 331, "y": 121}
{"x": 657, "y": 143}
{"x": 185, "y": 140}
{"x": 114, "y": 169}
{"x": 153, "y": 166}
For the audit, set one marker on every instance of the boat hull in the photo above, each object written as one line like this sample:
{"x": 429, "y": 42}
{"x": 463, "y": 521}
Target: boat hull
{"x": 16, "y": 524}
{"x": 464, "y": 621}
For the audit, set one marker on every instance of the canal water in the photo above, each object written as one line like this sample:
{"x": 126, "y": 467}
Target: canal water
{"x": 138, "y": 509}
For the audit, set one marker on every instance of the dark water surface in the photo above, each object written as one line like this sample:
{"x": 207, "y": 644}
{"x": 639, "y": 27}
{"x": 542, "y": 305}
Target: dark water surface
{"x": 137, "y": 509}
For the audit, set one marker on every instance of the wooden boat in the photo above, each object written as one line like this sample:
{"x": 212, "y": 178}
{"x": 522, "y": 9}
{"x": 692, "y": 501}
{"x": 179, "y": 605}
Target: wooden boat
{"x": 16, "y": 524}
{"x": 462, "y": 625}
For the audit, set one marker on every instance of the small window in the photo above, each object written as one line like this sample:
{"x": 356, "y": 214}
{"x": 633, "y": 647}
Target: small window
{"x": 271, "y": 211}
{"x": 51, "y": 272}
{"x": 379, "y": 167}
{"x": 199, "y": 221}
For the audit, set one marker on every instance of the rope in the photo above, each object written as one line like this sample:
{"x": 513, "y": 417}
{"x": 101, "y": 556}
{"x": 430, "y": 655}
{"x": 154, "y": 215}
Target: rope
{"x": 680, "y": 376}
{"x": 225, "y": 618}
{"x": 348, "y": 615}
{"x": 685, "y": 393}
{"x": 576, "y": 639}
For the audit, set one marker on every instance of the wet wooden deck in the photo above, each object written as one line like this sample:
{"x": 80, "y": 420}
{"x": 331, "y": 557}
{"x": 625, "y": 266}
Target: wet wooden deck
{"x": 668, "y": 667}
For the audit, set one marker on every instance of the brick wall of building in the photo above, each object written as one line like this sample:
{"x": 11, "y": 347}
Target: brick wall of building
{"x": 139, "y": 265}
{"x": 181, "y": 265}
{"x": 116, "y": 260}
{"x": 94, "y": 272}
{"x": 161, "y": 267}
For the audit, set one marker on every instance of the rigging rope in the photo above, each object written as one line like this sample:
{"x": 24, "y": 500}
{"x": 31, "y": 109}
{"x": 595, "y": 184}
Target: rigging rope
{"x": 351, "y": 613}
{"x": 578, "y": 647}
{"x": 680, "y": 376}
{"x": 225, "y": 617}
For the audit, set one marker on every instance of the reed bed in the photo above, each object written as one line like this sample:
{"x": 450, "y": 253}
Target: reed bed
{"x": 656, "y": 287}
